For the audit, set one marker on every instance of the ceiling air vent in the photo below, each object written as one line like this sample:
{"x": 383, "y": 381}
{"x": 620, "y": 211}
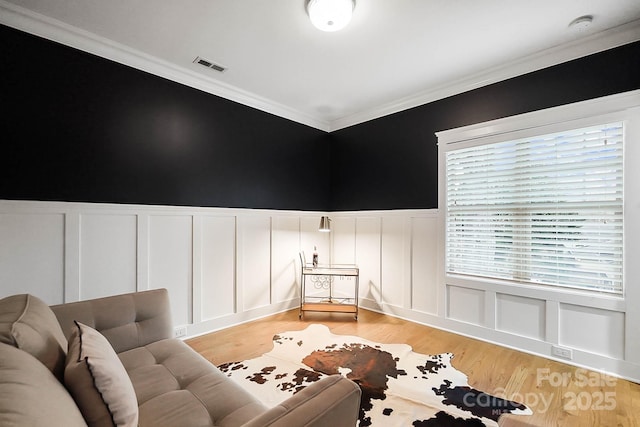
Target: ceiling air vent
{"x": 209, "y": 64}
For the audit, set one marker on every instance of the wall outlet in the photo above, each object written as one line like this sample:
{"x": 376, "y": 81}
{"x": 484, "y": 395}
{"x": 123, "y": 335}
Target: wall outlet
{"x": 180, "y": 331}
{"x": 565, "y": 353}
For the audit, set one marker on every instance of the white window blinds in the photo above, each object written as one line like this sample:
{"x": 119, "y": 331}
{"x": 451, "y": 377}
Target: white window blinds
{"x": 543, "y": 210}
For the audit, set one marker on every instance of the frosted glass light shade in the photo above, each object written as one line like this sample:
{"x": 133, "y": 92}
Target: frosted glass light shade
{"x": 330, "y": 15}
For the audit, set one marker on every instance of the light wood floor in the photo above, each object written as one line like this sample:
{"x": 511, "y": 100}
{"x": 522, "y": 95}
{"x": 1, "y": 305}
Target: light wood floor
{"x": 558, "y": 394}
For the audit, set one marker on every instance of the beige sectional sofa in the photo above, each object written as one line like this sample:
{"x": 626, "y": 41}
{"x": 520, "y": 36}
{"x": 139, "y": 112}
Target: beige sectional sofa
{"x": 113, "y": 361}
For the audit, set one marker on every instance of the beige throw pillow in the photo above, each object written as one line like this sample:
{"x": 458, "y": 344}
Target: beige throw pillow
{"x": 97, "y": 380}
{"x": 27, "y": 323}
{"x": 31, "y": 396}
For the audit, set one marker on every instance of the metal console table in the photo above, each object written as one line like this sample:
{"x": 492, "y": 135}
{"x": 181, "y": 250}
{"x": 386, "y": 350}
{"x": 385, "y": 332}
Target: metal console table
{"x": 321, "y": 278}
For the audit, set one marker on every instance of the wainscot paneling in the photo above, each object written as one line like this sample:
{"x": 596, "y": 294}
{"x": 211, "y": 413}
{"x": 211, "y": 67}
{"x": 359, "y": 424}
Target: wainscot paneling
{"x": 310, "y": 238}
{"x": 344, "y": 240}
{"x": 399, "y": 252}
{"x": 217, "y": 245}
{"x": 424, "y": 264}
{"x": 170, "y": 250}
{"x": 221, "y": 266}
{"x": 254, "y": 255}
{"x": 520, "y": 315}
{"x": 592, "y": 329}
{"x": 368, "y": 231}
{"x": 394, "y": 260}
{"x": 285, "y": 246}
{"x": 466, "y": 305}
{"x": 108, "y": 258}
{"x": 32, "y": 254}
{"x": 343, "y": 251}
{"x": 227, "y": 266}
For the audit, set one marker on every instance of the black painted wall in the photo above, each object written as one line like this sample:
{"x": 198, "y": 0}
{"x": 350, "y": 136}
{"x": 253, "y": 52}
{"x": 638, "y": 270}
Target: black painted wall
{"x": 76, "y": 127}
{"x": 391, "y": 162}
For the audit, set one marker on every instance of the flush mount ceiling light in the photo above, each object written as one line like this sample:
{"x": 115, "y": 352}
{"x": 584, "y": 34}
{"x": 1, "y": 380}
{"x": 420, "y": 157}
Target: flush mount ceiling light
{"x": 330, "y": 15}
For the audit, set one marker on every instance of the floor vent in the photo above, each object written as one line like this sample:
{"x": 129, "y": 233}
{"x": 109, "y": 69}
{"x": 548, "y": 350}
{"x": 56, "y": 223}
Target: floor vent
{"x": 217, "y": 67}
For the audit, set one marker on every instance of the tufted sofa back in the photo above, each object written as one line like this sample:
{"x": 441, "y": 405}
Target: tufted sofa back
{"x": 127, "y": 321}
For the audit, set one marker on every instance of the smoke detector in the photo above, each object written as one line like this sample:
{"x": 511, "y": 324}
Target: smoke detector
{"x": 581, "y": 24}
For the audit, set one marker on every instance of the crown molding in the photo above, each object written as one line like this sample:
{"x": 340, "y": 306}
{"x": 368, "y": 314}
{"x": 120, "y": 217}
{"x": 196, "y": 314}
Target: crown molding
{"x": 34, "y": 23}
{"x": 595, "y": 43}
{"x": 40, "y": 25}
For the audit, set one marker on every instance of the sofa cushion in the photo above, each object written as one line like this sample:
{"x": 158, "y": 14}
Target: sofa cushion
{"x": 177, "y": 386}
{"x": 127, "y": 321}
{"x": 27, "y": 323}
{"x": 30, "y": 395}
{"x": 332, "y": 401}
{"x": 98, "y": 381}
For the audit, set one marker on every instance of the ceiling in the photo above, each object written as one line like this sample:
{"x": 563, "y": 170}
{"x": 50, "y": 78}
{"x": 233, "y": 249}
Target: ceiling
{"x": 395, "y": 54}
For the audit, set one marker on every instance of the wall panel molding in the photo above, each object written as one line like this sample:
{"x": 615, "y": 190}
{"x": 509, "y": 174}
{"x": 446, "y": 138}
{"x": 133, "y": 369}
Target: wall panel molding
{"x": 216, "y": 279}
{"x": 73, "y": 251}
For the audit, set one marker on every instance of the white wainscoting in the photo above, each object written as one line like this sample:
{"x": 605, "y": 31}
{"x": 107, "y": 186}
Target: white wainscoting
{"x": 32, "y": 254}
{"x": 398, "y": 253}
{"x": 601, "y": 331}
{"x": 221, "y": 266}
{"x": 227, "y": 266}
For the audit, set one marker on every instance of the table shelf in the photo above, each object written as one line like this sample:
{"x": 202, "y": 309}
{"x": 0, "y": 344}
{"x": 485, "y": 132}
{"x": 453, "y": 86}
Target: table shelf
{"x": 330, "y": 307}
{"x": 322, "y": 277}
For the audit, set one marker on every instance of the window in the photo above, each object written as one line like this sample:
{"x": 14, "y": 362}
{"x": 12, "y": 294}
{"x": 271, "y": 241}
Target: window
{"x": 545, "y": 210}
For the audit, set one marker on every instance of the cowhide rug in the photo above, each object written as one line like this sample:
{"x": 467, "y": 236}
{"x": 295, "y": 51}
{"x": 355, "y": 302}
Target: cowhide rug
{"x": 399, "y": 387}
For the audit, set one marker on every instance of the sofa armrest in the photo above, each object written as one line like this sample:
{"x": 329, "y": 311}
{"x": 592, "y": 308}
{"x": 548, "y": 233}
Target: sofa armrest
{"x": 127, "y": 321}
{"x": 333, "y": 401}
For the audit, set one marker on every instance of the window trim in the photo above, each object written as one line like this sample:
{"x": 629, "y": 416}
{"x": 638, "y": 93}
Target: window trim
{"x": 619, "y": 107}
{"x": 550, "y": 120}
{"x": 530, "y": 241}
